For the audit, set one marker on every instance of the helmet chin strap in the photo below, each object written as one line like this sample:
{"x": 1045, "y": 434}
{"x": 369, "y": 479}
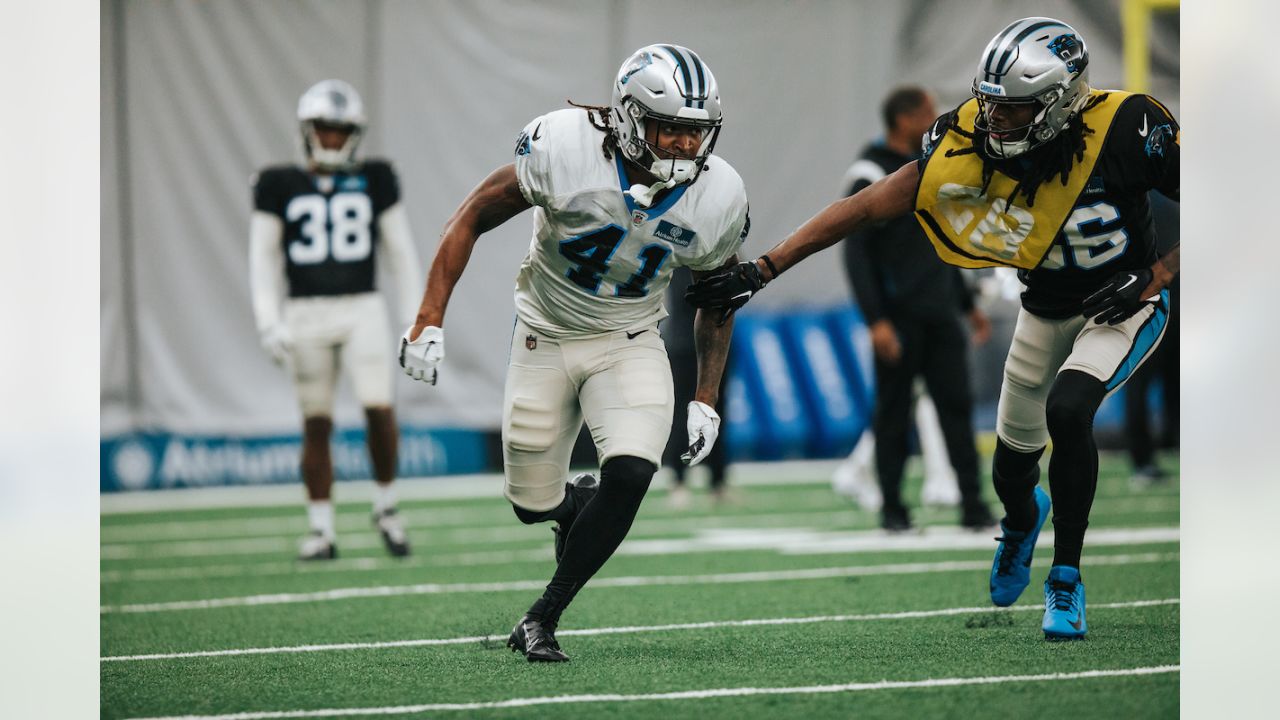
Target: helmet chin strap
{"x": 644, "y": 194}
{"x": 680, "y": 171}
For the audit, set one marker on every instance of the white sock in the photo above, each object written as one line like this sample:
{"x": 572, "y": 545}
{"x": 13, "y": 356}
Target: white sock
{"x": 384, "y": 497}
{"x": 320, "y": 513}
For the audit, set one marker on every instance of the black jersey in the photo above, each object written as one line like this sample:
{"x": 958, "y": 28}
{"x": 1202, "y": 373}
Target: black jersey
{"x": 1109, "y": 229}
{"x": 330, "y": 223}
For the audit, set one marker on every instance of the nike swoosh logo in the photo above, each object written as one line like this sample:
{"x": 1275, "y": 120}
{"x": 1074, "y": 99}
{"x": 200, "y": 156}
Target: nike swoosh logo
{"x": 1077, "y": 623}
{"x": 1132, "y": 279}
{"x": 633, "y": 336}
{"x": 536, "y": 135}
{"x": 1143, "y": 130}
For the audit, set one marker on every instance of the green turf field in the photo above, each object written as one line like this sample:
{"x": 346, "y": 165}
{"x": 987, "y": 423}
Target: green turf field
{"x": 844, "y": 622}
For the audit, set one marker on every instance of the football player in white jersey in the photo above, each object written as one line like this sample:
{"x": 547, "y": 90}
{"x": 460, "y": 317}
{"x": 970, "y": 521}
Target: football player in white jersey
{"x": 621, "y": 196}
{"x": 314, "y": 234}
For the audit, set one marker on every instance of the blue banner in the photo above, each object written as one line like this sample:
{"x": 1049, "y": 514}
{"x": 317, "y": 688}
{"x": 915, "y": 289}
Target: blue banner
{"x": 155, "y": 460}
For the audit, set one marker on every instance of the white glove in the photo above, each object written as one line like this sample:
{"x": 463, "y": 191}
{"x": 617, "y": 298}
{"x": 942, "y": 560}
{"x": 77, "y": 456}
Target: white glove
{"x": 704, "y": 428}
{"x": 420, "y": 357}
{"x": 278, "y": 342}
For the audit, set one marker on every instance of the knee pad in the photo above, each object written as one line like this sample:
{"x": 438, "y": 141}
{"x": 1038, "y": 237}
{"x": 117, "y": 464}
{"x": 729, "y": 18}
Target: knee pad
{"x": 1072, "y": 402}
{"x": 535, "y": 488}
{"x": 532, "y": 426}
{"x": 315, "y": 375}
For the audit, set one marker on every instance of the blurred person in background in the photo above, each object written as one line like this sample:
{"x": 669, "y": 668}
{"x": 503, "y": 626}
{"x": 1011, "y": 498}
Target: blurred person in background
{"x": 1162, "y": 366}
{"x": 912, "y": 302}
{"x": 678, "y": 334}
{"x": 314, "y": 237}
{"x": 622, "y": 195}
{"x": 1040, "y": 172}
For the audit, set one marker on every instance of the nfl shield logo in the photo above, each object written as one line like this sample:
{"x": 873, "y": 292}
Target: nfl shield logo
{"x": 638, "y": 217}
{"x": 531, "y": 342}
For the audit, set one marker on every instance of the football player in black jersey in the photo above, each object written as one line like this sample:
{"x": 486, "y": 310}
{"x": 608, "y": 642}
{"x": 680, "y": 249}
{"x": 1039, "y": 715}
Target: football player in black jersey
{"x": 1042, "y": 173}
{"x": 315, "y": 235}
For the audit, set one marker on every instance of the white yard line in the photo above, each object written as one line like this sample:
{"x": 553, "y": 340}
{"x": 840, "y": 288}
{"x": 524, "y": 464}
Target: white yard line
{"x": 687, "y": 694}
{"x": 795, "y": 472}
{"x": 905, "y": 615}
{"x": 349, "y": 593}
{"x": 786, "y": 541}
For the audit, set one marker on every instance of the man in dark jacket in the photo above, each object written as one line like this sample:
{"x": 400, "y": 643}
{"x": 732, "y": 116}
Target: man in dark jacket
{"x": 912, "y": 301}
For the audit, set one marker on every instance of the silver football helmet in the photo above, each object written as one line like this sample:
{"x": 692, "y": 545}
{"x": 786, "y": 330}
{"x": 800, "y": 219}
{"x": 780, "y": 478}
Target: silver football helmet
{"x": 331, "y": 103}
{"x": 665, "y": 84}
{"x": 1038, "y": 61}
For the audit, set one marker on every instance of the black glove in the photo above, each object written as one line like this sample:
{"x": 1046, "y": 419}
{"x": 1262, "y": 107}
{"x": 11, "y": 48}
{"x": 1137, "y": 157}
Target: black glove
{"x": 1120, "y": 298}
{"x": 728, "y": 290}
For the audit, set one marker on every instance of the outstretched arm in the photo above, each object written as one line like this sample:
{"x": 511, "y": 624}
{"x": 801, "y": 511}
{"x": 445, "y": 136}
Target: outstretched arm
{"x": 885, "y": 199}
{"x": 494, "y": 201}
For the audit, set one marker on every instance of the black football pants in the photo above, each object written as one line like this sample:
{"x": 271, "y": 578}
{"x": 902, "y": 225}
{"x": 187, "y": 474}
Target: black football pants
{"x": 937, "y": 350}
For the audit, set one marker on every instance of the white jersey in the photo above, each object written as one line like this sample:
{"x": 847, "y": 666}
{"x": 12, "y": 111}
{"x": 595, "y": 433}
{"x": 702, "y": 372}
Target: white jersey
{"x": 599, "y": 263}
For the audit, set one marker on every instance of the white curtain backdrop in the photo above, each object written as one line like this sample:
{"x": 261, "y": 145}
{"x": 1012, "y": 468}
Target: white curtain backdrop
{"x": 198, "y": 95}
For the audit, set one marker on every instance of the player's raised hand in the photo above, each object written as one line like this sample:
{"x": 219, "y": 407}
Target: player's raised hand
{"x": 420, "y": 356}
{"x": 704, "y": 428}
{"x": 728, "y": 290}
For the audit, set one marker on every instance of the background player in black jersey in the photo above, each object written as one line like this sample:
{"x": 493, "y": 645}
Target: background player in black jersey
{"x": 314, "y": 237}
{"x": 1041, "y": 173}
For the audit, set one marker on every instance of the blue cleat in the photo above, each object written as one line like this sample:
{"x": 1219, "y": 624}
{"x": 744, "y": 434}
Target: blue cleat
{"x": 1064, "y": 605}
{"x": 1011, "y": 568}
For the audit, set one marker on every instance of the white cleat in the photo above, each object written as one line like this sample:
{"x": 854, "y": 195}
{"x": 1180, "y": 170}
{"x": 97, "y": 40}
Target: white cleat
{"x": 941, "y": 492}
{"x": 679, "y": 498}
{"x": 317, "y": 546}
{"x": 858, "y": 483}
{"x": 393, "y": 533}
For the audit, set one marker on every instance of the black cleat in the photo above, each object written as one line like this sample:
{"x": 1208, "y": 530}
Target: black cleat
{"x": 583, "y": 487}
{"x": 392, "y": 531}
{"x": 895, "y": 520}
{"x": 536, "y": 642}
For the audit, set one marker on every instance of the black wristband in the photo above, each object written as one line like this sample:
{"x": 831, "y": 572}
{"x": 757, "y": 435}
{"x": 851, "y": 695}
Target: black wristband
{"x": 772, "y": 268}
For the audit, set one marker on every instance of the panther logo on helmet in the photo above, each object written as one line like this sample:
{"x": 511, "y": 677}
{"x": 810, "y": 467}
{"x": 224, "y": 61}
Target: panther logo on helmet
{"x": 1071, "y": 51}
{"x": 638, "y": 62}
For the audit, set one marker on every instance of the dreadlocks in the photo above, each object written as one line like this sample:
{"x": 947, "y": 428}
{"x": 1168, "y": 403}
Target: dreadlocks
{"x": 598, "y": 115}
{"x": 1055, "y": 158}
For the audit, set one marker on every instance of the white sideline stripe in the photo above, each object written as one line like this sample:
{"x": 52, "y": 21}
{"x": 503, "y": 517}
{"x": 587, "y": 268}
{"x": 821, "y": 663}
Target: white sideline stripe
{"x": 440, "y": 487}
{"x": 462, "y": 535}
{"x": 438, "y": 519}
{"x": 687, "y": 694}
{"x": 786, "y": 541}
{"x": 626, "y": 581}
{"x": 626, "y": 629}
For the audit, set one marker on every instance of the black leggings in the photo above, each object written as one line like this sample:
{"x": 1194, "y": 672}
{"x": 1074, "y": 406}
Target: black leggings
{"x": 1073, "y": 466}
{"x": 596, "y": 533}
